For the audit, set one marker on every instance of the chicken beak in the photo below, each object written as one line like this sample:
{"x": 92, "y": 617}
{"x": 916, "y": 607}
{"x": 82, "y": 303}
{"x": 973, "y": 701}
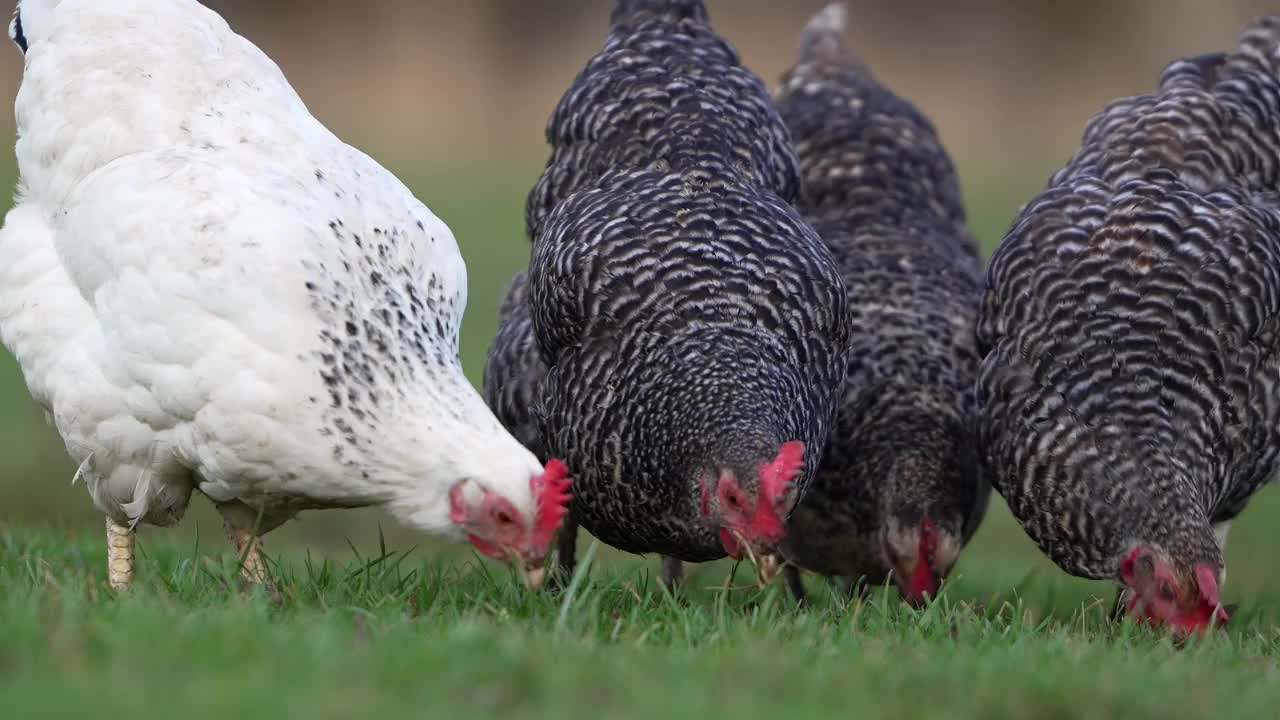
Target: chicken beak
{"x": 768, "y": 567}
{"x": 533, "y": 576}
{"x": 532, "y": 572}
{"x": 768, "y": 563}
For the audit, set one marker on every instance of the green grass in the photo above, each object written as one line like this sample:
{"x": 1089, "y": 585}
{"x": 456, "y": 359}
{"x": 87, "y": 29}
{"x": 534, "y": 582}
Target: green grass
{"x": 399, "y": 635}
{"x": 430, "y": 630}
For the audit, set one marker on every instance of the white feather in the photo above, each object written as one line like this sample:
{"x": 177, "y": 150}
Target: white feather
{"x": 188, "y": 246}
{"x": 82, "y": 469}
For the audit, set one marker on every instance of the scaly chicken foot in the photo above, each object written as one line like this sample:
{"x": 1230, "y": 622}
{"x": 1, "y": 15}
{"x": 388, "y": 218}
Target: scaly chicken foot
{"x": 241, "y": 524}
{"x": 120, "y": 558}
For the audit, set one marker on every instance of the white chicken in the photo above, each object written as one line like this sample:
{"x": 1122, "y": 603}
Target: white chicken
{"x": 206, "y": 289}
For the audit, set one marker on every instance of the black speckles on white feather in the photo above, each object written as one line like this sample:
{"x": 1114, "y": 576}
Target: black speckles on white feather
{"x": 16, "y": 33}
{"x": 338, "y": 193}
{"x": 388, "y": 327}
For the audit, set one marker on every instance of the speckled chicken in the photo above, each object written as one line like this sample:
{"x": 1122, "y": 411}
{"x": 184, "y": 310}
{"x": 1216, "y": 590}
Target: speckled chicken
{"x": 206, "y": 290}
{"x": 693, "y": 327}
{"x": 1131, "y": 384}
{"x": 900, "y": 490}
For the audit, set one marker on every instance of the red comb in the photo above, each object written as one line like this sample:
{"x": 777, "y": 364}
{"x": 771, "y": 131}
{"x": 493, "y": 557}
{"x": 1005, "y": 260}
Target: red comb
{"x": 777, "y": 475}
{"x": 1207, "y": 579}
{"x": 551, "y": 494}
{"x": 1126, "y": 567}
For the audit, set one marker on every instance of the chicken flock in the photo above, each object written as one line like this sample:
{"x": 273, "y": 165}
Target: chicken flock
{"x": 752, "y": 325}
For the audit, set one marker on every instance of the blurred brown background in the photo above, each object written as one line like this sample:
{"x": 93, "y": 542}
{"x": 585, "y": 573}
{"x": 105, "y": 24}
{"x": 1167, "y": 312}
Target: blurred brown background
{"x": 1006, "y": 80}
{"x": 1009, "y": 82}
{"x": 453, "y": 96}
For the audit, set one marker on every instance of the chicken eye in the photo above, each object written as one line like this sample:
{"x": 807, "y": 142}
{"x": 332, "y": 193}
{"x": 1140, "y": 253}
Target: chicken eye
{"x": 503, "y": 518}
{"x": 1166, "y": 592}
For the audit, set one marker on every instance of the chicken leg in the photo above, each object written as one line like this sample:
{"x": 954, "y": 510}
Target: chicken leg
{"x": 795, "y": 583}
{"x": 566, "y": 554}
{"x": 672, "y": 573}
{"x": 242, "y": 523}
{"x": 120, "y": 544}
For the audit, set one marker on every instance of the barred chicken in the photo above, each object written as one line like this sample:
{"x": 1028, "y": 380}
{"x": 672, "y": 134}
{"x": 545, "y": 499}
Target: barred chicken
{"x": 900, "y": 490}
{"x": 1131, "y": 328}
{"x": 681, "y": 332}
{"x": 207, "y": 290}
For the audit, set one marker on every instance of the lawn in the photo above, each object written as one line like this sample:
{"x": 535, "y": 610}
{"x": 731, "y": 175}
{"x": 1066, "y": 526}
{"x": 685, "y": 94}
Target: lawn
{"x": 385, "y": 635}
{"x": 389, "y": 626}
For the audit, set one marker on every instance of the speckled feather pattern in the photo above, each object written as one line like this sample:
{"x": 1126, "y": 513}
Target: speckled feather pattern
{"x": 1131, "y": 384}
{"x": 689, "y": 317}
{"x": 639, "y": 100}
{"x": 882, "y": 192}
{"x": 212, "y": 291}
{"x": 514, "y": 370}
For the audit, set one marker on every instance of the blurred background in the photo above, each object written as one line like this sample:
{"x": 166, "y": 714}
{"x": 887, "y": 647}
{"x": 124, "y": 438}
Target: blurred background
{"x": 453, "y": 95}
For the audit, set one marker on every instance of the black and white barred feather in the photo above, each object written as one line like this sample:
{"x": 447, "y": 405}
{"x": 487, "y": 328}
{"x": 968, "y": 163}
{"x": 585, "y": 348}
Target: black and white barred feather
{"x": 514, "y": 370}
{"x": 880, "y": 189}
{"x": 689, "y": 317}
{"x": 1131, "y": 381}
{"x": 639, "y": 104}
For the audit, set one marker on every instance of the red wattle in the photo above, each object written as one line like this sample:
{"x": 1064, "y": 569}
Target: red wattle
{"x": 924, "y": 580}
{"x": 485, "y": 547}
{"x": 731, "y": 545}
